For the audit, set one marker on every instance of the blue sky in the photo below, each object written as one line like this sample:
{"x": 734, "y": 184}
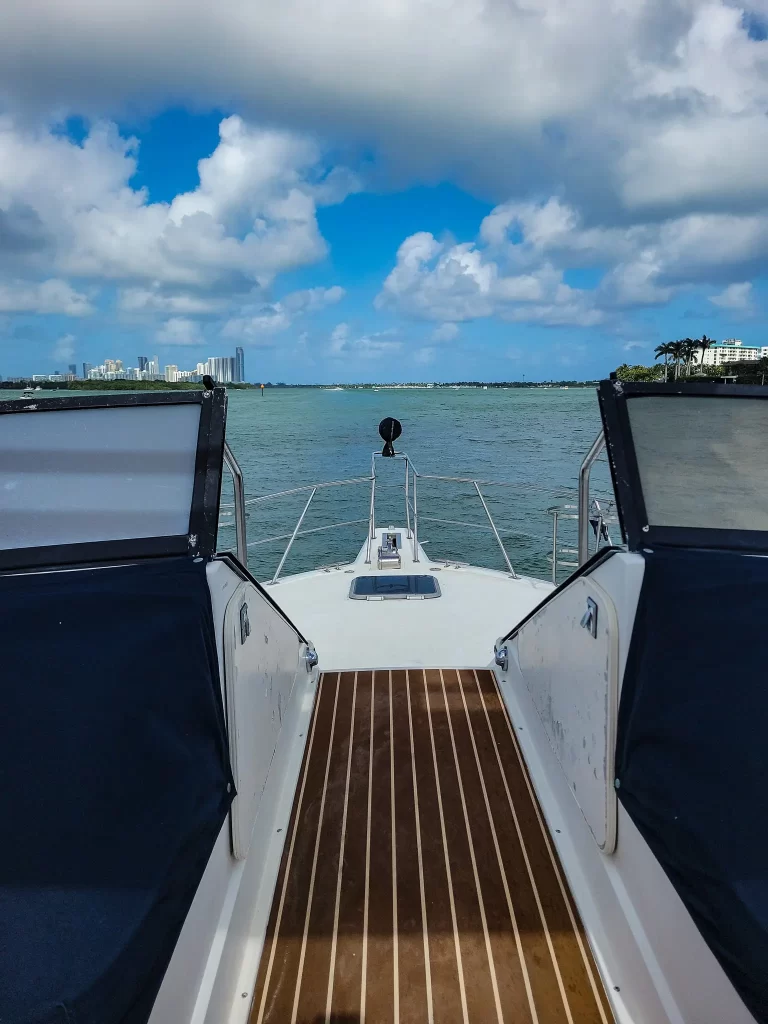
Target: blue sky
{"x": 469, "y": 193}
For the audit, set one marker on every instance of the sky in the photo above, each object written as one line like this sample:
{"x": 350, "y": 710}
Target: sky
{"x": 381, "y": 190}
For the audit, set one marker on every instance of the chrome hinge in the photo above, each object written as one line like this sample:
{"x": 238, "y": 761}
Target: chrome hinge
{"x": 589, "y": 618}
{"x": 310, "y": 657}
{"x": 501, "y": 657}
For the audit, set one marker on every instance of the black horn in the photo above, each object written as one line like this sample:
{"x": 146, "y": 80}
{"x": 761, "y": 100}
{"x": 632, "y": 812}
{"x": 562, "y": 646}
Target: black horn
{"x": 390, "y": 429}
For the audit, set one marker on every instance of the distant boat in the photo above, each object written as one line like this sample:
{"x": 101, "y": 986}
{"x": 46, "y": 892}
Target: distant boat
{"x": 28, "y": 393}
{"x": 334, "y": 389}
{"x": 485, "y": 387}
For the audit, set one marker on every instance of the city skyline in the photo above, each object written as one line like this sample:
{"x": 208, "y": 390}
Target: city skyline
{"x": 223, "y": 369}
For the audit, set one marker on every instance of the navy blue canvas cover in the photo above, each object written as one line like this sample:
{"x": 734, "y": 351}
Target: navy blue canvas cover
{"x": 692, "y": 756}
{"x": 114, "y": 784}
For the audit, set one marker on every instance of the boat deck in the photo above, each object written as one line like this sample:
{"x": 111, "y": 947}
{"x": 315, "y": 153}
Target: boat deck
{"x": 418, "y": 880}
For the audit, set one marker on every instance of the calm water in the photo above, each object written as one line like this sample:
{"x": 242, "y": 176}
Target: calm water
{"x": 535, "y": 439}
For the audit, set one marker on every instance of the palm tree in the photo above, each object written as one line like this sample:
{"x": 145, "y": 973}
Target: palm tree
{"x": 689, "y": 351}
{"x": 666, "y": 351}
{"x": 677, "y": 351}
{"x": 704, "y": 343}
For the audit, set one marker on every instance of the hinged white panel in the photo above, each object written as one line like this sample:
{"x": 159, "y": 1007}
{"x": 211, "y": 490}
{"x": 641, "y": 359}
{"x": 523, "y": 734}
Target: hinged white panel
{"x": 261, "y": 660}
{"x": 569, "y": 656}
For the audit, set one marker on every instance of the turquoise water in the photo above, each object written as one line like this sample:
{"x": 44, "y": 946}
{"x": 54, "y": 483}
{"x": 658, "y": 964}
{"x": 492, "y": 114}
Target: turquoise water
{"x": 534, "y": 438}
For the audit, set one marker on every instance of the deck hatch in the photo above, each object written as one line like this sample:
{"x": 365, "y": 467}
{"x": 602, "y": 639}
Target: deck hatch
{"x": 393, "y": 588}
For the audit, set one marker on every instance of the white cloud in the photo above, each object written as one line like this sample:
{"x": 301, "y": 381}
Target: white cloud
{"x": 456, "y": 282}
{"x": 339, "y": 339}
{"x": 367, "y": 346}
{"x": 180, "y": 330}
{"x": 643, "y": 121}
{"x": 51, "y": 296}
{"x": 157, "y": 300}
{"x": 425, "y": 356}
{"x": 445, "y": 332}
{"x": 312, "y": 299}
{"x": 252, "y": 216}
{"x": 516, "y": 269}
{"x": 258, "y": 328}
{"x": 255, "y": 325}
{"x": 64, "y": 349}
{"x": 735, "y": 297}
{"x": 642, "y": 102}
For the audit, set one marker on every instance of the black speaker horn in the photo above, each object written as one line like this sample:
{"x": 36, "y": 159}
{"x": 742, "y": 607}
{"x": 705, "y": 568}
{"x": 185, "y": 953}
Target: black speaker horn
{"x": 390, "y": 429}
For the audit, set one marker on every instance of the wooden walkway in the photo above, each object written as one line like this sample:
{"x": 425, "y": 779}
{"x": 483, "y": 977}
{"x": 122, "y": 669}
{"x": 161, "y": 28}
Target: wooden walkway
{"x": 418, "y": 881}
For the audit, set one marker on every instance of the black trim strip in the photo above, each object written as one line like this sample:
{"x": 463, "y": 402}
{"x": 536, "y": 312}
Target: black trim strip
{"x": 107, "y": 401}
{"x": 93, "y": 551}
{"x": 237, "y": 566}
{"x": 600, "y": 556}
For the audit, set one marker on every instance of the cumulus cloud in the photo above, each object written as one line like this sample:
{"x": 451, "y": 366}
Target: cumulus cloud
{"x": 180, "y": 330}
{"x": 456, "y": 282}
{"x": 516, "y": 267}
{"x": 736, "y": 297}
{"x": 643, "y": 120}
{"x": 425, "y": 356}
{"x": 51, "y": 296}
{"x": 312, "y": 299}
{"x": 255, "y": 326}
{"x": 64, "y": 349}
{"x": 344, "y": 343}
{"x": 641, "y": 103}
{"x": 155, "y": 299}
{"x": 74, "y": 211}
{"x": 445, "y": 332}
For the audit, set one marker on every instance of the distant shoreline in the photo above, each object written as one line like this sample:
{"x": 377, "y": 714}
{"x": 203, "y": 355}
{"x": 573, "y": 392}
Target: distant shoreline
{"x": 159, "y": 385}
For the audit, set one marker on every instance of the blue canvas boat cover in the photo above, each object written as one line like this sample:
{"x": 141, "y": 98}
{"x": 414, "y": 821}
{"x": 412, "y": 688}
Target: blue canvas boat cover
{"x": 114, "y": 784}
{"x": 692, "y": 755}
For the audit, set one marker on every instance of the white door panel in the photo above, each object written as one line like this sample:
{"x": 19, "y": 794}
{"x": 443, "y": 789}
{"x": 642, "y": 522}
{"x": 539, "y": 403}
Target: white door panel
{"x": 572, "y": 676}
{"x": 261, "y": 658}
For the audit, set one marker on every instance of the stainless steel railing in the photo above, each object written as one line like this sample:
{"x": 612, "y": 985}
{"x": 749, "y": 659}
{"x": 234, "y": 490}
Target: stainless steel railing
{"x": 600, "y": 513}
{"x": 584, "y": 474}
{"x": 561, "y": 557}
{"x": 241, "y": 541}
{"x": 412, "y": 516}
{"x": 412, "y": 507}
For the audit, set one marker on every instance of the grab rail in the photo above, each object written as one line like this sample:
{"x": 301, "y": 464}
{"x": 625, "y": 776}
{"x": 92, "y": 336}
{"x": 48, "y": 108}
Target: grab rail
{"x": 241, "y": 542}
{"x": 584, "y": 472}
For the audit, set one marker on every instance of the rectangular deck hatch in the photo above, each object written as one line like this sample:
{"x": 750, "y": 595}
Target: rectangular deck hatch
{"x": 393, "y": 588}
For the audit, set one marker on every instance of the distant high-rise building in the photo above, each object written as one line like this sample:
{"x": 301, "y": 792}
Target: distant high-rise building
{"x": 87, "y": 367}
{"x": 240, "y": 365}
{"x": 222, "y": 369}
{"x": 143, "y": 363}
{"x": 154, "y": 366}
{"x": 73, "y": 369}
{"x": 172, "y": 373}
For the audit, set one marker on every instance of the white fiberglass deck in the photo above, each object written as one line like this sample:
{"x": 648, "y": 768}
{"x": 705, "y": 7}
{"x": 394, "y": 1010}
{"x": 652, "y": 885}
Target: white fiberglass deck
{"x": 456, "y": 629}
